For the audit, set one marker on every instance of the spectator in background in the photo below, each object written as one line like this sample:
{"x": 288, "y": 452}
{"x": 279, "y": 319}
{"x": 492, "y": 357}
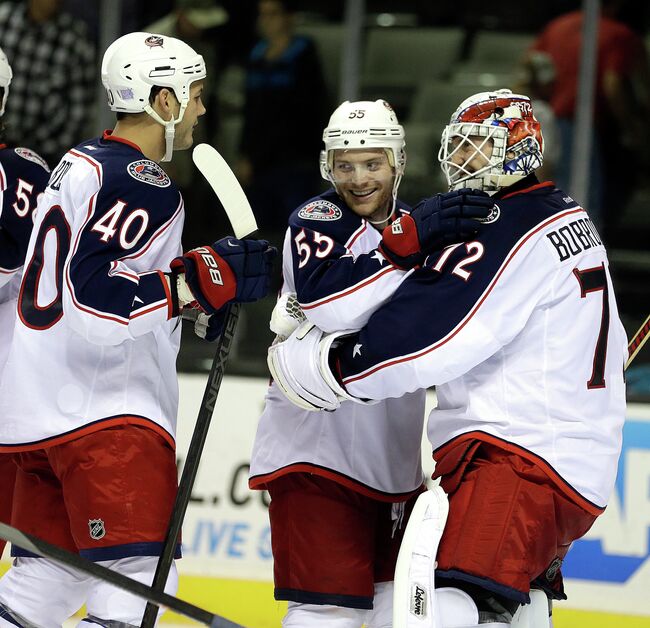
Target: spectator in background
{"x": 284, "y": 112}
{"x": 620, "y": 110}
{"x": 54, "y": 70}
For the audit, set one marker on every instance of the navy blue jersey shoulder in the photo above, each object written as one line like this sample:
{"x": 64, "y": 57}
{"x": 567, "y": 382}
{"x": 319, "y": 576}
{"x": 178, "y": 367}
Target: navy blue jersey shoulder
{"x": 25, "y": 177}
{"x": 129, "y": 176}
{"x": 329, "y": 214}
{"x": 434, "y": 299}
{"x": 326, "y": 213}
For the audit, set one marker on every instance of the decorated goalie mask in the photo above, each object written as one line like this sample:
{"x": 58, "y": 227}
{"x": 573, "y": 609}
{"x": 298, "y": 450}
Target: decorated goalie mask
{"x": 366, "y": 125}
{"x": 136, "y": 62}
{"x": 492, "y": 140}
{"x": 5, "y": 78}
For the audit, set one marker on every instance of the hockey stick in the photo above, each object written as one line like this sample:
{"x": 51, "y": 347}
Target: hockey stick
{"x": 225, "y": 185}
{"x": 638, "y": 341}
{"x": 59, "y": 555}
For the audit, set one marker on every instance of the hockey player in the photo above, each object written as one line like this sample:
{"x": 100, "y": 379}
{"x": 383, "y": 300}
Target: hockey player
{"x": 527, "y": 356}
{"x": 339, "y": 483}
{"x": 89, "y": 397}
{"x": 23, "y": 176}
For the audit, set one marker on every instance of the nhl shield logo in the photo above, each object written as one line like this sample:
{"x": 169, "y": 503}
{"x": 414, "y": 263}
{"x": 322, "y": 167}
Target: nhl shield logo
{"x": 97, "y": 529}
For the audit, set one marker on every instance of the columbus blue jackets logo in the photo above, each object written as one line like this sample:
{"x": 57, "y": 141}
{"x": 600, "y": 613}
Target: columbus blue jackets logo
{"x": 320, "y": 210}
{"x": 154, "y": 40}
{"x": 97, "y": 529}
{"x": 148, "y": 172}
{"x": 30, "y": 155}
{"x": 493, "y": 216}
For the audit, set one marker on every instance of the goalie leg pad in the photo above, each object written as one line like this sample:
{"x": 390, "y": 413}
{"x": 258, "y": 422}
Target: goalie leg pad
{"x": 537, "y": 614}
{"x": 414, "y": 595}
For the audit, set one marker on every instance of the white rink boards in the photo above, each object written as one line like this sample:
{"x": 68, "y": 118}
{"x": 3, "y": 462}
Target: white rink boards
{"x": 226, "y": 542}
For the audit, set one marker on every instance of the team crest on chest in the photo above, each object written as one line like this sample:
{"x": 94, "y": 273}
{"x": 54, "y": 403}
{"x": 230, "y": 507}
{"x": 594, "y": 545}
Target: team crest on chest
{"x": 148, "y": 172}
{"x": 320, "y": 210}
{"x": 30, "y": 155}
{"x": 97, "y": 529}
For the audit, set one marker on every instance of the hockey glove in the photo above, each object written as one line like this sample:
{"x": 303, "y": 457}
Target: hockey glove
{"x": 209, "y": 277}
{"x": 434, "y": 223}
{"x": 286, "y": 316}
{"x": 300, "y": 368}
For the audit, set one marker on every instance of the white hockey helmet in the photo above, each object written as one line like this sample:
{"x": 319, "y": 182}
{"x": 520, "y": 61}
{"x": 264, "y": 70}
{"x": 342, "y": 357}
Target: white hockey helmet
{"x": 364, "y": 124}
{"x": 5, "y": 78}
{"x": 136, "y": 62}
{"x": 503, "y": 121}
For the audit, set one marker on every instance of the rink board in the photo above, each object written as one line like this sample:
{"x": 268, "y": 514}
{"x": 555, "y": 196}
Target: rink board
{"x": 227, "y": 564}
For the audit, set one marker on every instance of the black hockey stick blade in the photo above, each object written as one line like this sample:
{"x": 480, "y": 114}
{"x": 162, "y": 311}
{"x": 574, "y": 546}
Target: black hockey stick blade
{"x": 60, "y": 555}
{"x": 191, "y": 466}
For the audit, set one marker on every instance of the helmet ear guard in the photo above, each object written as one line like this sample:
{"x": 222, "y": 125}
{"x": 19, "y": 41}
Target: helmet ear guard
{"x": 364, "y": 124}
{"x": 136, "y": 62}
{"x": 508, "y": 122}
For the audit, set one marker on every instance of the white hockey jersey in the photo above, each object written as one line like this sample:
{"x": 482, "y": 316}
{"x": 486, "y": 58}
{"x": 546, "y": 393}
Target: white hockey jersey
{"x": 94, "y": 343}
{"x": 330, "y": 260}
{"x": 527, "y": 352}
{"x": 23, "y": 177}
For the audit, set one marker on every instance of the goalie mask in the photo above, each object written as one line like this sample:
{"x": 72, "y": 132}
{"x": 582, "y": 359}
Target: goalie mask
{"x": 5, "y": 78}
{"x": 492, "y": 140}
{"x": 364, "y": 125}
{"x": 136, "y": 62}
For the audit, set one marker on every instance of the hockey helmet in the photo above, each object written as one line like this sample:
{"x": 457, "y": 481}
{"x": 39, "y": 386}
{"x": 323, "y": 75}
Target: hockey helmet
{"x": 364, "y": 124}
{"x": 136, "y": 62}
{"x": 501, "y": 121}
{"x": 5, "y": 78}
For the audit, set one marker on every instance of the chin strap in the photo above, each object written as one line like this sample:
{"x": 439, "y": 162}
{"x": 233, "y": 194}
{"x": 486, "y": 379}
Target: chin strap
{"x": 170, "y": 128}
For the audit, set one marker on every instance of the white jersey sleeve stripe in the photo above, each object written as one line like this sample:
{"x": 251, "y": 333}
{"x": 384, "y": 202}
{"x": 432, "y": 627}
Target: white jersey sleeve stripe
{"x": 355, "y": 236}
{"x": 415, "y": 356}
{"x": 343, "y": 293}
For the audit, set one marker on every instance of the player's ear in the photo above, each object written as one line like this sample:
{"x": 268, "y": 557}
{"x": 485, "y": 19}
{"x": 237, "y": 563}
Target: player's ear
{"x": 165, "y": 103}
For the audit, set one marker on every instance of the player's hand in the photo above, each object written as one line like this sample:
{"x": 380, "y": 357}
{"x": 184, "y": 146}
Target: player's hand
{"x": 228, "y": 270}
{"x": 435, "y": 223}
{"x": 300, "y": 367}
{"x": 209, "y": 326}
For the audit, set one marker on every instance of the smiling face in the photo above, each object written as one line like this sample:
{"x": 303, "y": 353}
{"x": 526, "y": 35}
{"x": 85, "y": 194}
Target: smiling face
{"x": 364, "y": 179}
{"x": 183, "y": 135}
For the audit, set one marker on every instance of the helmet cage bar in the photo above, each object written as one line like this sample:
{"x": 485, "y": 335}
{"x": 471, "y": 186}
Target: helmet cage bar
{"x": 523, "y": 157}
{"x": 458, "y": 175}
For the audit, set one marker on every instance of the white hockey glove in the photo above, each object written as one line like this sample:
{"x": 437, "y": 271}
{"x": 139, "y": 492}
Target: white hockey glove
{"x": 286, "y": 316}
{"x": 300, "y": 367}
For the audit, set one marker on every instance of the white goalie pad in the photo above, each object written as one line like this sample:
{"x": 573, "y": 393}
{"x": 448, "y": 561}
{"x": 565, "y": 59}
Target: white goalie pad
{"x": 533, "y": 615}
{"x": 414, "y": 590}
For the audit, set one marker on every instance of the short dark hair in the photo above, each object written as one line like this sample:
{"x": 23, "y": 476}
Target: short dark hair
{"x": 155, "y": 90}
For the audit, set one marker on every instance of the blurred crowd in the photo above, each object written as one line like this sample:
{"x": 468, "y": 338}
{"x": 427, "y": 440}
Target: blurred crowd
{"x": 269, "y": 89}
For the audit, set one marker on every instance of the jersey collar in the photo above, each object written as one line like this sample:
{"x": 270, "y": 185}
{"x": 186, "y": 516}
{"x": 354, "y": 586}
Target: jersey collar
{"x": 527, "y": 184}
{"x": 108, "y": 135}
